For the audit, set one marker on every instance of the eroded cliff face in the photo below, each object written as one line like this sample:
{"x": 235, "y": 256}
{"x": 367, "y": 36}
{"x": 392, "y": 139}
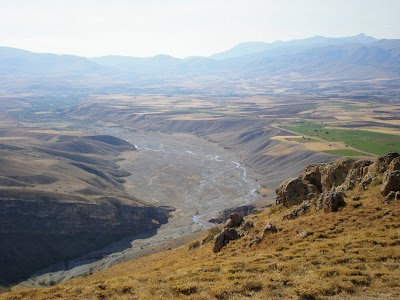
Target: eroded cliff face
{"x": 62, "y": 196}
{"x": 20, "y": 216}
{"x": 35, "y": 235}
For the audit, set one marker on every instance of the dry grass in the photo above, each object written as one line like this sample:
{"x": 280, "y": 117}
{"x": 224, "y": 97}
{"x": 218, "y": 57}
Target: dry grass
{"x": 352, "y": 254}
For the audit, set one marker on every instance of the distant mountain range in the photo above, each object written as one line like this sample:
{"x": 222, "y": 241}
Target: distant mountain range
{"x": 358, "y": 57}
{"x": 256, "y": 47}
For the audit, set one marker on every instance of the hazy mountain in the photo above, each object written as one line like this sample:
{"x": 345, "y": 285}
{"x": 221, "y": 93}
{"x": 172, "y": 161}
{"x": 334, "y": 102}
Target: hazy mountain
{"x": 25, "y": 71}
{"x": 353, "y": 58}
{"x": 153, "y": 64}
{"x": 248, "y": 48}
{"x": 14, "y": 61}
{"x": 360, "y": 56}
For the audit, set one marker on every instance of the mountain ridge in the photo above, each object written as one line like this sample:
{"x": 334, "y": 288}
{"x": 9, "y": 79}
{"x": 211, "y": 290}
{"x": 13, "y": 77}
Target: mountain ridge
{"x": 247, "y": 48}
{"x": 317, "y": 58}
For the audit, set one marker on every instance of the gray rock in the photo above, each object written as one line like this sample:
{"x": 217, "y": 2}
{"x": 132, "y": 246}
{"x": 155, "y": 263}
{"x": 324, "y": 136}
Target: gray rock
{"x": 381, "y": 165}
{"x": 331, "y": 201}
{"x": 223, "y": 238}
{"x": 305, "y": 234}
{"x": 294, "y": 191}
{"x": 269, "y": 229}
{"x": 395, "y": 164}
{"x": 334, "y": 174}
{"x": 390, "y": 182}
{"x": 235, "y": 220}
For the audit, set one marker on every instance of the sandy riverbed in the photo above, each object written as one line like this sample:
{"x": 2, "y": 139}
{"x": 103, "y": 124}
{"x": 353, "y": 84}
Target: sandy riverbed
{"x": 198, "y": 178}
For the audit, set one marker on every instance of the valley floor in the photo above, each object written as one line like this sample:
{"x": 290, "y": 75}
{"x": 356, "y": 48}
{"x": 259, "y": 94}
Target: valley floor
{"x": 210, "y": 179}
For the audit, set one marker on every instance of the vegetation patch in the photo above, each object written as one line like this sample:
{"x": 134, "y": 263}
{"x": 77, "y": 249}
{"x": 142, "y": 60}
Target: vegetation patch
{"x": 344, "y": 152}
{"x": 368, "y": 141}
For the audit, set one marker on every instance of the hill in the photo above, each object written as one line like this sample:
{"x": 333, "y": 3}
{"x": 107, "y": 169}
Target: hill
{"x": 62, "y": 196}
{"x": 16, "y": 61}
{"x": 341, "y": 242}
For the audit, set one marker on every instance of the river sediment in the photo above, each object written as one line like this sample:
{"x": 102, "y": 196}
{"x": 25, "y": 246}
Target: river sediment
{"x": 195, "y": 176}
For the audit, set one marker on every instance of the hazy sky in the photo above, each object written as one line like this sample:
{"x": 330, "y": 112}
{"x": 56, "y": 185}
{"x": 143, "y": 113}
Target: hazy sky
{"x": 184, "y": 27}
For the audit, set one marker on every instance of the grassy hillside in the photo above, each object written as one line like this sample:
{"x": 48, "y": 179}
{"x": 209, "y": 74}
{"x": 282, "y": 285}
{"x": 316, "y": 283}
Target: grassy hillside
{"x": 351, "y": 254}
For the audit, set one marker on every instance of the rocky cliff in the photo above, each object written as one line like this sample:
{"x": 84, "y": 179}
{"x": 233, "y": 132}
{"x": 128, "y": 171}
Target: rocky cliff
{"x": 323, "y": 184}
{"x": 62, "y": 196}
{"x": 37, "y": 234}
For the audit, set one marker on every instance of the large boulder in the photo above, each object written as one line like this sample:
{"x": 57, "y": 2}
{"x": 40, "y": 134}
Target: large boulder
{"x": 235, "y": 220}
{"x": 356, "y": 174}
{"x": 381, "y": 165}
{"x": 395, "y": 164}
{"x": 294, "y": 191}
{"x": 331, "y": 201}
{"x": 341, "y": 175}
{"x": 224, "y": 237}
{"x": 312, "y": 174}
{"x": 390, "y": 182}
{"x": 325, "y": 182}
{"x": 334, "y": 174}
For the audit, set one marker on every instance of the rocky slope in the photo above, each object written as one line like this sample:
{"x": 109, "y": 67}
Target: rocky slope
{"x": 325, "y": 183}
{"x": 62, "y": 196}
{"x": 351, "y": 253}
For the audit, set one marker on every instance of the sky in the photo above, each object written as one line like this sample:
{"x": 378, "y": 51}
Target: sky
{"x": 184, "y": 28}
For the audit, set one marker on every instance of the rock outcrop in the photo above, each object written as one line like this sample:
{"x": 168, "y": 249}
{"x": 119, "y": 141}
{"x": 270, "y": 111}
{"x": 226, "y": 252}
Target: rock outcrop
{"x": 224, "y": 237}
{"x": 390, "y": 182}
{"x": 324, "y": 184}
{"x": 330, "y": 201}
{"x": 229, "y": 233}
{"x": 235, "y": 220}
{"x": 244, "y": 210}
{"x": 294, "y": 191}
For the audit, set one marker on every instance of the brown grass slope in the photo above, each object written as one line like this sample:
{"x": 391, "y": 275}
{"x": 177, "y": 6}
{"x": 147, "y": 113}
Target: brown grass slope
{"x": 352, "y": 254}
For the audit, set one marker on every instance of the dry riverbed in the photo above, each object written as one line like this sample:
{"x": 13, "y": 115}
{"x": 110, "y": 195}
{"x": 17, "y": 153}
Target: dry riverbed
{"x": 196, "y": 177}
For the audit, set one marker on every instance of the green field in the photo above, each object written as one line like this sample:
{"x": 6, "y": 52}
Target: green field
{"x": 344, "y": 152}
{"x": 368, "y": 141}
